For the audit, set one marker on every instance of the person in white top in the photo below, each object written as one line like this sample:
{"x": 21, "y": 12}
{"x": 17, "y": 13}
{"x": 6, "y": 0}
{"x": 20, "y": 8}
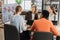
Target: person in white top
{"x": 52, "y": 15}
{"x": 18, "y": 21}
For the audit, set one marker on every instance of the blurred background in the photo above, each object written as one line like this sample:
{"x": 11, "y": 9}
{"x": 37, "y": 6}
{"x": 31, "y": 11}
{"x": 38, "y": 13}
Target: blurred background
{"x": 6, "y": 5}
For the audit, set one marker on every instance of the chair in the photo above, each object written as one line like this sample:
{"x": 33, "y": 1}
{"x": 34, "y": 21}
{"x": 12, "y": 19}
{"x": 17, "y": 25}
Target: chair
{"x": 58, "y": 38}
{"x": 42, "y": 36}
{"x": 11, "y": 32}
{"x": 55, "y": 22}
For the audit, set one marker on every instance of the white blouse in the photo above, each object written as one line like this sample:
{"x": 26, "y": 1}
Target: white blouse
{"x": 33, "y": 15}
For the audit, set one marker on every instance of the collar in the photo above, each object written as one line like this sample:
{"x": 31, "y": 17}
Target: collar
{"x": 43, "y": 18}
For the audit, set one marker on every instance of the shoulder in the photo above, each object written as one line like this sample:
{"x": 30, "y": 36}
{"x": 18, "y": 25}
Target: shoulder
{"x": 20, "y": 16}
{"x": 36, "y": 13}
{"x": 17, "y": 17}
{"x": 36, "y": 21}
{"x": 29, "y": 12}
{"x": 50, "y": 21}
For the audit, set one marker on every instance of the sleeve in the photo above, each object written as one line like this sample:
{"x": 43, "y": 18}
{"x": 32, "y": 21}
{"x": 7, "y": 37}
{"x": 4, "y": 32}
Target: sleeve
{"x": 33, "y": 26}
{"x": 53, "y": 29}
{"x": 11, "y": 18}
{"x": 24, "y": 27}
{"x": 36, "y": 16}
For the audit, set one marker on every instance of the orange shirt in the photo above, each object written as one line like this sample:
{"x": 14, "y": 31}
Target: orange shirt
{"x": 44, "y": 25}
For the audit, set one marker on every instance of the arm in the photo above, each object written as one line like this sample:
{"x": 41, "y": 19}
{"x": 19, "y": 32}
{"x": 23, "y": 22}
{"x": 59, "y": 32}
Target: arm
{"x": 53, "y": 29}
{"x": 33, "y": 26}
{"x": 24, "y": 27}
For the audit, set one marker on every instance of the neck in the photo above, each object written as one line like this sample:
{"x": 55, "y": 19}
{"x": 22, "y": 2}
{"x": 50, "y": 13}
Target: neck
{"x": 19, "y": 12}
{"x": 33, "y": 12}
{"x": 44, "y": 18}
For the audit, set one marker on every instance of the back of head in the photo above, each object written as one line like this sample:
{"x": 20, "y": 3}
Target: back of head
{"x": 45, "y": 14}
{"x": 17, "y": 9}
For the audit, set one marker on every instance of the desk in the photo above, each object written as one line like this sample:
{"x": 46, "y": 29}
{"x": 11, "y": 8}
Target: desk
{"x": 58, "y": 28}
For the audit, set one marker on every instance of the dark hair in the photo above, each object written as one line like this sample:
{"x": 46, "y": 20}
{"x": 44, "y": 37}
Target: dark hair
{"x": 45, "y": 14}
{"x": 17, "y": 9}
{"x": 52, "y": 8}
{"x": 35, "y": 7}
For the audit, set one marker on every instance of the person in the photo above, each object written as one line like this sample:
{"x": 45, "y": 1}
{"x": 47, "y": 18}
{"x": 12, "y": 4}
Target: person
{"x": 32, "y": 15}
{"x": 39, "y": 14}
{"x": 52, "y": 14}
{"x": 18, "y": 21}
{"x": 6, "y": 15}
{"x": 44, "y": 25}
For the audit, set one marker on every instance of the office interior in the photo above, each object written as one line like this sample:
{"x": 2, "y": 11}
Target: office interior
{"x": 41, "y": 5}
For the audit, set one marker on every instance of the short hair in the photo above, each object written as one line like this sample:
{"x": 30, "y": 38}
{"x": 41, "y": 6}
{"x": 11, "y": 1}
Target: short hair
{"x": 45, "y": 14}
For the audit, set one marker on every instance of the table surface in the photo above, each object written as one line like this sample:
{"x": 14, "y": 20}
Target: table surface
{"x": 2, "y": 31}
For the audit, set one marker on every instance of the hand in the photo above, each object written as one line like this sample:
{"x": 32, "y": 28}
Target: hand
{"x": 28, "y": 26}
{"x": 58, "y": 34}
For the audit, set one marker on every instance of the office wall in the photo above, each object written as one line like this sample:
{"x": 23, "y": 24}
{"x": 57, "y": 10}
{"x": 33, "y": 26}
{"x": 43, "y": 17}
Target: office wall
{"x": 0, "y": 6}
{"x": 1, "y": 2}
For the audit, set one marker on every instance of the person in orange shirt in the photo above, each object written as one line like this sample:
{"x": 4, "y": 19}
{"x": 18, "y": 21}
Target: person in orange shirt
{"x": 43, "y": 24}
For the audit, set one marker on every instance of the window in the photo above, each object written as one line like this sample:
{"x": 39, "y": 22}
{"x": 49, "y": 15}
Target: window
{"x": 24, "y": 4}
{"x": 5, "y": 1}
{"x": 11, "y": 1}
